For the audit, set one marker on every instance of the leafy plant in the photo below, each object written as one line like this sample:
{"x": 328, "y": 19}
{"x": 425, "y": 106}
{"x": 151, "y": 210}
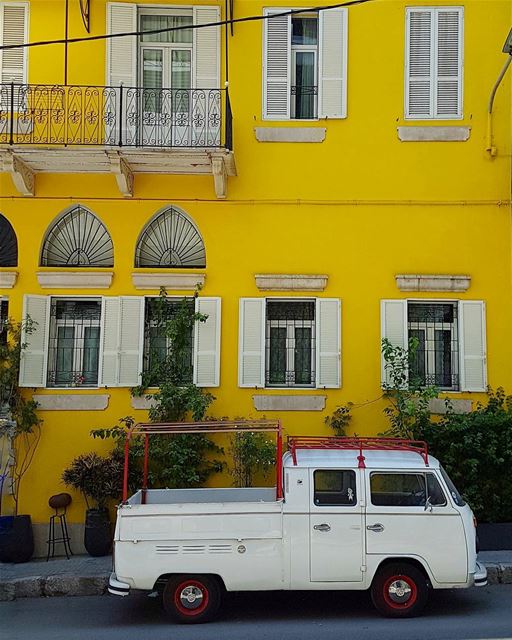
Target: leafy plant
{"x": 98, "y": 478}
{"x": 409, "y": 397}
{"x": 251, "y": 453}
{"x": 340, "y": 419}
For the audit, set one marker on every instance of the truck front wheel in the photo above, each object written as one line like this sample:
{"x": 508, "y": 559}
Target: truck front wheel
{"x": 191, "y": 599}
{"x": 399, "y": 591}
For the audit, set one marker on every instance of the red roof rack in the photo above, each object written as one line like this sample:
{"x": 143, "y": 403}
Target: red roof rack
{"x": 357, "y": 444}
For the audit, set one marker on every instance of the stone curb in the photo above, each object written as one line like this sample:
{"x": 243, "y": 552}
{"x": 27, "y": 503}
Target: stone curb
{"x": 499, "y": 573}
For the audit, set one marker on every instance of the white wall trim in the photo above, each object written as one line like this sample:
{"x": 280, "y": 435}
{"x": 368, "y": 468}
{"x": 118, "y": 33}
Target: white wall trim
{"x": 8, "y": 279}
{"x": 290, "y": 134}
{"x": 71, "y": 402}
{"x": 75, "y": 279}
{"x": 142, "y": 402}
{"x": 425, "y": 282}
{"x": 433, "y": 134}
{"x": 289, "y": 403}
{"x": 171, "y": 281}
{"x": 290, "y": 282}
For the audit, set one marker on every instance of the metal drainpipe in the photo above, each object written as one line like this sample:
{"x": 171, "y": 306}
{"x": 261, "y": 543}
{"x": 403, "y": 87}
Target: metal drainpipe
{"x": 490, "y": 148}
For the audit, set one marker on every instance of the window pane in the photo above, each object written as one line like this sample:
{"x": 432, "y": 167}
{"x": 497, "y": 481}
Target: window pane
{"x": 337, "y": 488}
{"x": 151, "y": 22}
{"x": 4, "y": 315}
{"x": 181, "y": 73}
{"x": 398, "y": 489}
{"x": 152, "y": 79}
{"x": 417, "y": 364}
{"x": 305, "y": 88}
{"x": 304, "y": 30}
{"x": 277, "y": 367}
{"x": 435, "y": 493}
{"x": 91, "y": 355}
{"x": 302, "y": 355}
{"x": 64, "y": 373}
{"x": 457, "y": 498}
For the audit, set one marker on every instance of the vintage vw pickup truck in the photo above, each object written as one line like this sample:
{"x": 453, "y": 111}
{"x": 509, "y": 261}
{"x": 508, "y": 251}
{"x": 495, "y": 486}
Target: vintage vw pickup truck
{"x": 347, "y": 513}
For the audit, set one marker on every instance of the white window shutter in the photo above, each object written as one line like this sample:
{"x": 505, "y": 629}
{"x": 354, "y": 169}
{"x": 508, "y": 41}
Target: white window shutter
{"x": 473, "y": 345}
{"x": 333, "y": 39}
{"x": 449, "y": 27}
{"x": 207, "y": 343}
{"x": 110, "y": 314}
{"x": 276, "y": 66}
{"x": 206, "y": 49}
{"x": 34, "y": 358}
{"x": 328, "y": 343}
{"x": 121, "y": 52}
{"x": 251, "y": 343}
{"x": 13, "y": 30}
{"x": 419, "y": 63}
{"x": 394, "y": 328}
{"x": 131, "y": 340}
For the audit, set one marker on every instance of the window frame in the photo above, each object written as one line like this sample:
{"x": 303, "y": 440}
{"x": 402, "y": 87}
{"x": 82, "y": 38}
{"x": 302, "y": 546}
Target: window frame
{"x": 335, "y": 505}
{"x": 408, "y": 472}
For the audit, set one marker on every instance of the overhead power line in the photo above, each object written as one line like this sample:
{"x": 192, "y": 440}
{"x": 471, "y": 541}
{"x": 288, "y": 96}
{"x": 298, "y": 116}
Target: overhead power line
{"x": 109, "y": 36}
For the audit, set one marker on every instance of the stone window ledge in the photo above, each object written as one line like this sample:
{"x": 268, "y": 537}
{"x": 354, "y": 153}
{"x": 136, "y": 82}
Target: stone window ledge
{"x": 437, "y": 406}
{"x": 290, "y": 134}
{"x": 142, "y": 402}
{"x": 416, "y": 282}
{"x": 8, "y": 279}
{"x": 290, "y": 282}
{"x": 71, "y": 402}
{"x": 75, "y": 279}
{"x": 433, "y": 134}
{"x": 288, "y": 403}
{"x": 171, "y": 281}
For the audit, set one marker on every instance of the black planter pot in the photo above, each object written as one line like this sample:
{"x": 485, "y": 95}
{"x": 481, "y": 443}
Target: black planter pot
{"x": 98, "y": 534}
{"x": 495, "y": 536}
{"x": 16, "y": 539}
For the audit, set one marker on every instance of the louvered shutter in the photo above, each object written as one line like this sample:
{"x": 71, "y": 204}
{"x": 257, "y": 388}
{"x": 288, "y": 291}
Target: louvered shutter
{"x": 448, "y": 99}
{"x": 333, "y": 63}
{"x": 207, "y": 343}
{"x": 328, "y": 343}
{"x": 34, "y": 357}
{"x": 473, "y": 345}
{"x": 122, "y": 69}
{"x": 251, "y": 343}
{"x": 13, "y": 30}
{"x": 394, "y": 328}
{"x": 276, "y": 66}
{"x": 206, "y": 75}
{"x": 131, "y": 340}
{"x": 419, "y": 64}
{"x": 110, "y": 311}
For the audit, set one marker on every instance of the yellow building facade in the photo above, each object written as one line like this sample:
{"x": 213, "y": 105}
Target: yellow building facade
{"x": 324, "y": 175}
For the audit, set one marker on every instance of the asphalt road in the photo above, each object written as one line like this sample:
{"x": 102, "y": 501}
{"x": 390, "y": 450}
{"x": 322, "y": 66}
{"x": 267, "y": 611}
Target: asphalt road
{"x": 476, "y": 614}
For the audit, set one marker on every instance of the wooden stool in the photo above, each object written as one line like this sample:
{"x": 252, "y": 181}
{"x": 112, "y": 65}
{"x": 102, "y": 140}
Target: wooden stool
{"x": 60, "y": 503}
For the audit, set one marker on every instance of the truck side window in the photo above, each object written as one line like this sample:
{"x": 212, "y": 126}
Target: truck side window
{"x": 335, "y": 488}
{"x": 435, "y": 492}
{"x": 405, "y": 490}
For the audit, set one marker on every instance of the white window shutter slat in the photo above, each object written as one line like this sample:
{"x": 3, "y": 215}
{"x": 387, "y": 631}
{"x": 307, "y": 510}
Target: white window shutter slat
{"x": 328, "y": 343}
{"x": 207, "y": 343}
{"x": 419, "y": 64}
{"x": 13, "y": 30}
{"x": 473, "y": 345}
{"x": 131, "y": 340}
{"x": 121, "y": 52}
{"x": 333, "y": 39}
{"x": 394, "y": 328}
{"x": 34, "y": 357}
{"x": 449, "y": 63}
{"x": 206, "y": 49}
{"x": 251, "y": 343}
{"x": 110, "y": 314}
{"x": 276, "y": 66}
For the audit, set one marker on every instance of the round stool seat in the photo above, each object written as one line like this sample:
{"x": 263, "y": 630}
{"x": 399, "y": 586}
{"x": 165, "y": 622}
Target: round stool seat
{"x": 60, "y": 501}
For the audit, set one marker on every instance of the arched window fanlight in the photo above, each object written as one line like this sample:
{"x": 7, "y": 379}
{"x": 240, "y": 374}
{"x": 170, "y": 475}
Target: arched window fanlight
{"x": 8, "y": 244}
{"x": 171, "y": 239}
{"x": 78, "y": 239}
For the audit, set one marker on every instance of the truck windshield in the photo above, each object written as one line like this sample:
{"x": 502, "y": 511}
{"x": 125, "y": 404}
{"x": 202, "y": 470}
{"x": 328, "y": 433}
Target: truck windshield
{"x": 457, "y": 498}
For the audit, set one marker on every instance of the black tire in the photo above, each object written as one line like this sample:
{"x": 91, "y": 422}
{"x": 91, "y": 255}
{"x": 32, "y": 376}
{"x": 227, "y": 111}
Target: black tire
{"x": 191, "y": 599}
{"x": 399, "y": 590}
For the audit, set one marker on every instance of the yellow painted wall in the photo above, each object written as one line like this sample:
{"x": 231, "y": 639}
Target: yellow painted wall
{"x": 360, "y": 207}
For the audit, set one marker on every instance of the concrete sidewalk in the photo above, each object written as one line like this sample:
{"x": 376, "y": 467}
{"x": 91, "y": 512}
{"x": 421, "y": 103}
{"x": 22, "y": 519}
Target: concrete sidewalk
{"x": 85, "y": 576}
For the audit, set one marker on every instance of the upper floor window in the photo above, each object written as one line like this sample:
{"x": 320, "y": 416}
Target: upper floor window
{"x": 13, "y": 31}
{"x": 78, "y": 239}
{"x": 304, "y": 66}
{"x": 434, "y": 63}
{"x": 8, "y": 244}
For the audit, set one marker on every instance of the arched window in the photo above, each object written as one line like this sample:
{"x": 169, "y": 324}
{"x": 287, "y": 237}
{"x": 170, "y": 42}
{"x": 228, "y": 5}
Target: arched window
{"x": 78, "y": 239}
{"x": 8, "y": 244}
{"x": 170, "y": 239}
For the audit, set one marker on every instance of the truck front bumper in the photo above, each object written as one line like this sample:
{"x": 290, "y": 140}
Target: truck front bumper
{"x": 480, "y": 575}
{"x": 117, "y": 588}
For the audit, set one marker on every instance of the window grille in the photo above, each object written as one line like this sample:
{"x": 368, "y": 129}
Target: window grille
{"x": 78, "y": 239}
{"x": 170, "y": 240}
{"x": 8, "y": 244}
{"x": 4, "y": 316}
{"x": 157, "y": 343}
{"x": 74, "y": 343}
{"x": 290, "y": 343}
{"x": 436, "y": 361}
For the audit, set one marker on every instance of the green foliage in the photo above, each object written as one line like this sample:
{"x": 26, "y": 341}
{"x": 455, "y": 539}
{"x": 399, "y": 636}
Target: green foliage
{"x": 97, "y": 477}
{"x": 408, "y": 411}
{"x": 340, "y": 419}
{"x": 251, "y": 453}
{"x": 476, "y": 450}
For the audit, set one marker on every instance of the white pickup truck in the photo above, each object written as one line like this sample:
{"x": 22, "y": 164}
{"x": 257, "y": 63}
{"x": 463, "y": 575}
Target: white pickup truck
{"x": 355, "y": 514}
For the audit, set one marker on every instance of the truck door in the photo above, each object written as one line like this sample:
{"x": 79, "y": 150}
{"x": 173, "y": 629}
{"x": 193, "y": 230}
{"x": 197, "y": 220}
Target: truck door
{"x": 408, "y": 514}
{"x": 336, "y": 526}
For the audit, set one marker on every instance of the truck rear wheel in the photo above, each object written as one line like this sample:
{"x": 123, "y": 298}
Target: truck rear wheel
{"x": 399, "y": 591}
{"x": 191, "y": 598}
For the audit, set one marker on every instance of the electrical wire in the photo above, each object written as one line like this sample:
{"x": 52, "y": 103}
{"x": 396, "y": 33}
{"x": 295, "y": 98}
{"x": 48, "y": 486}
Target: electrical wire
{"x": 109, "y": 36}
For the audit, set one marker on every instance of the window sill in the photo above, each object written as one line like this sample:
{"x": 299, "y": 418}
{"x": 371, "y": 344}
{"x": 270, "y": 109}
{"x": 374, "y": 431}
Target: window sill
{"x": 75, "y": 279}
{"x": 290, "y": 282}
{"x": 171, "y": 281}
{"x": 71, "y": 401}
{"x": 433, "y": 133}
{"x": 282, "y": 402}
{"x": 290, "y": 134}
{"x": 437, "y": 406}
{"x": 8, "y": 279}
{"x": 431, "y": 282}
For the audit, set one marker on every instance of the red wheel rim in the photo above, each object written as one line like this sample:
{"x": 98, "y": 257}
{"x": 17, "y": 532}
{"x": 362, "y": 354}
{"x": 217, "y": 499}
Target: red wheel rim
{"x": 400, "y": 592}
{"x": 191, "y": 598}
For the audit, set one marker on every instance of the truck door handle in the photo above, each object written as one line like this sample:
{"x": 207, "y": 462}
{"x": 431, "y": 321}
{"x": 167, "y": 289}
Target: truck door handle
{"x": 322, "y": 527}
{"x": 375, "y": 527}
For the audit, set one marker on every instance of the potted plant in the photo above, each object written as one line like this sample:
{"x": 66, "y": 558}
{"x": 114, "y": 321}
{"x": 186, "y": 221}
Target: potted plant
{"x": 20, "y": 432}
{"x": 99, "y": 479}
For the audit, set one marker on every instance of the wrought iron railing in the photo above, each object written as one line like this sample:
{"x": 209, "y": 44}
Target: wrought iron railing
{"x": 304, "y": 101}
{"x": 114, "y": 116}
